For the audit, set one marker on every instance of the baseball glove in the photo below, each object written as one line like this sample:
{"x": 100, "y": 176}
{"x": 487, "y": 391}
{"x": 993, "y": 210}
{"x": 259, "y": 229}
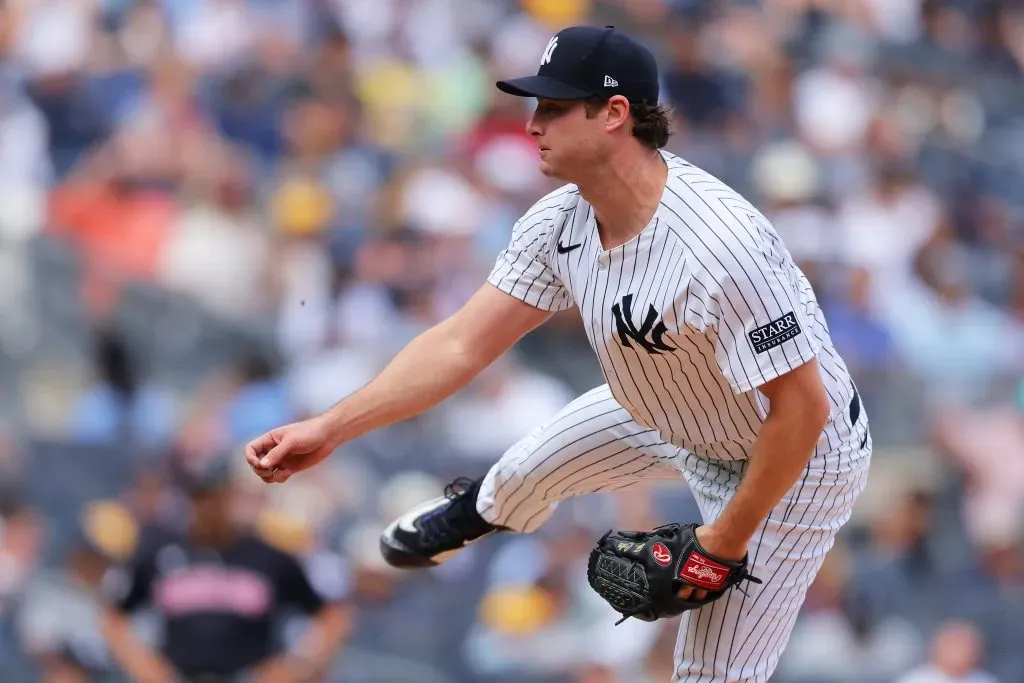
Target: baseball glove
{"x": 640, "y": 572}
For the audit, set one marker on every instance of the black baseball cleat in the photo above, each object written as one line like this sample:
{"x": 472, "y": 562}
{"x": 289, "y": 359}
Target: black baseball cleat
{"x": 433, "y": 532}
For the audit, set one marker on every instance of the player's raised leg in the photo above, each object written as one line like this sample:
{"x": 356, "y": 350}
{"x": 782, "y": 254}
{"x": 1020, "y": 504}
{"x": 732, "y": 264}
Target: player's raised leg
{"x": 740, "y": 638}
{"x": 590, "y": 445}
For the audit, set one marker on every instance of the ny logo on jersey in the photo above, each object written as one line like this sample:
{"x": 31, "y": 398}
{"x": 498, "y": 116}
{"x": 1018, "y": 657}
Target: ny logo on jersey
{"x": 650, "y": 334}
{"x": 548, "y": 51}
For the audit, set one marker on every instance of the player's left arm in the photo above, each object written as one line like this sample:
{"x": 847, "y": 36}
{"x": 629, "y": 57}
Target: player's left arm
{"x": 799, "y": 412}
{"x": 766, "y": 341}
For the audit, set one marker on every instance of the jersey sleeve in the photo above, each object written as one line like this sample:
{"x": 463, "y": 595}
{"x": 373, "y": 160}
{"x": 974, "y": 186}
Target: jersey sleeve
{"x": 763, "y": 329}
{"x": 523, "y": 268}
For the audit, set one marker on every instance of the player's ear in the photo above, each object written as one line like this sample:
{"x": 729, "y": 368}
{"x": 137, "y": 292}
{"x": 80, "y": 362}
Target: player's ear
{"x": 616, "y": 113}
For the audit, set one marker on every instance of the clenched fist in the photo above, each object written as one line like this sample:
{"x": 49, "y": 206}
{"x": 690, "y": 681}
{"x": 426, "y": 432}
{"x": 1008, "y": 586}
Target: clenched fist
{"x": 282, "y": 452}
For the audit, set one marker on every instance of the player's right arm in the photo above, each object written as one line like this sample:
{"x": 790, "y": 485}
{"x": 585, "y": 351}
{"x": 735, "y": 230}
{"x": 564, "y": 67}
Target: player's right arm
{"x": 135, "y": 658}
{"x": 437, "y": 363}
{"x": 125, "y": 590}
{"x": 521, "y": 293}
{"x": 430, "y": 368}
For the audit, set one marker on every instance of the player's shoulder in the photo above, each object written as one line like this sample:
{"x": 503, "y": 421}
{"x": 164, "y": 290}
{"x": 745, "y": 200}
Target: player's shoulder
{"x": 708, "y": 203}
{"x": 154, "y": 541}
{"x": 717, "y": 221}
{"x": 555, "y": 205}
{"x": 561, "y": 197}
{"x": 702, "y": 192}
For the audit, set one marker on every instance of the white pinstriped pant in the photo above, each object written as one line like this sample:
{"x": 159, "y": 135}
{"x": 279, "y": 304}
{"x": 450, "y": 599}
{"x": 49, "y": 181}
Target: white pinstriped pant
{"x": 594, "y": 445}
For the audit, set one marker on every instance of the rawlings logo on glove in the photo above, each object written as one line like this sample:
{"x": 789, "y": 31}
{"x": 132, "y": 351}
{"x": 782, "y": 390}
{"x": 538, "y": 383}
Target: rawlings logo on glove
{"x": 704, "y": 572}
{"x": 640, "y": 573}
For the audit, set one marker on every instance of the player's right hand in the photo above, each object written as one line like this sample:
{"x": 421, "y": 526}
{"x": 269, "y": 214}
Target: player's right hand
{"x": 153, "y": 670}
{"x": 278, "y": 670}
{"x": 280, "y": 453}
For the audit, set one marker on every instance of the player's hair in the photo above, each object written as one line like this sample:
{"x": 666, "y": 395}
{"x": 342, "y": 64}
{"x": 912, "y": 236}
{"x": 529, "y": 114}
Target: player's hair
{"x": 651, "y": 122}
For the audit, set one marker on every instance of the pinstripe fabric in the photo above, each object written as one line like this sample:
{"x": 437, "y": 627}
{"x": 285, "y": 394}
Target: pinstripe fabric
{"x": 740, "y": 638}
{"x": 678, "y": 318}
{"x": 711, "y": 270}
{"x": 592, "y": 444}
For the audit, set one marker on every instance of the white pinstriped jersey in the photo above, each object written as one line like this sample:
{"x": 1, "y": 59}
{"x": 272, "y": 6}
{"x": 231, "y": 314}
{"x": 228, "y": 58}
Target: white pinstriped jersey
{"x": 687, "y": 318}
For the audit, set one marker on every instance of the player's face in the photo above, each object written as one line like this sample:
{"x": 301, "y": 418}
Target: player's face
{"x": 211, "y": 510}
{"x": 569, "y": 141}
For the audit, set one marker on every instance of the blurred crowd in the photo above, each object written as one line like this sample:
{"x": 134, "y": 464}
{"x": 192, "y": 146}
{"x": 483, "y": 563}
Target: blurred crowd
{"x": 218, "y": 216}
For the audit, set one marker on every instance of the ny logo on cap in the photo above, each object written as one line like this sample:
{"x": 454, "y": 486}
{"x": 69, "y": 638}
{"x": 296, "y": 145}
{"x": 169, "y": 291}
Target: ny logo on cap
{"x": 548, "y": 51}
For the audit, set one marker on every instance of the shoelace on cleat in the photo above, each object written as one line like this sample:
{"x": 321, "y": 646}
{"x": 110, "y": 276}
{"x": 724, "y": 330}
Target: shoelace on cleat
{"x": 441, "y": 525}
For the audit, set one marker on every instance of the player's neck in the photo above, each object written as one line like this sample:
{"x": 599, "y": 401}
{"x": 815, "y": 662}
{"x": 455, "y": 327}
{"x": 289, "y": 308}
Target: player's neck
{"x": 625, "y": 195}
{"x": 217, "y": 538}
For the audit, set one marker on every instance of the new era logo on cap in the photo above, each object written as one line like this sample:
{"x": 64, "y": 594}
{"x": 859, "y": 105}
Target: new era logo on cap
{"x": 610, "y": 82}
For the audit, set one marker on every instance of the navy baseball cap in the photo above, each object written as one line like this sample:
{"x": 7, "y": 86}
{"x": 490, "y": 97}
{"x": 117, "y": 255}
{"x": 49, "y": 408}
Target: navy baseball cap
{"x": 585, "y": 61}
{"x": 204, "y": 478}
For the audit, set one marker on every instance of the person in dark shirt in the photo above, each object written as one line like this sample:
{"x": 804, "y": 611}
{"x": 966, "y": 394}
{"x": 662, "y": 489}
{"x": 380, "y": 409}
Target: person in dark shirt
{"x": 220, "y": 592}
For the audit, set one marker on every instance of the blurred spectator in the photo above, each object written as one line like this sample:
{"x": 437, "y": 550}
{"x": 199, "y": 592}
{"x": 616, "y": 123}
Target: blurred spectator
{"x": 996, "y": 604}
{"x": 896, "y": 22}
{"x": 956, "y": 342}
{"x": 52, "y": 44}
{"x": 956, "y": 655}
{"x": 859, "y": 334}
{"x": 993, "y": 513}
{"x": 834, "y": 103}
{"x": 994, "y": 52}
{"x": 25, "y": 168}
{"x": 22, "y": 541}
{"x": 504, "y": 404}
{"x": 699, "y": 94}
{"x": 788, "y": 178}
{"x": 901, "y": 566}
{"x": 23, "y": 536}
{"x": 120, "y": 405}
{"x": 993, "y": 500}
{"x": 214, "y": 33}
{"x": 261, "y": 401}
{"x": 219, "y": 221}
{"x": 659, "y": 665}
{"x": 60, "y": 619}
{"x": 882, "y": 229}
{"x": 220, "y": 592}
{"x": 848, "y": 635}
{"x": 542, "y": 625}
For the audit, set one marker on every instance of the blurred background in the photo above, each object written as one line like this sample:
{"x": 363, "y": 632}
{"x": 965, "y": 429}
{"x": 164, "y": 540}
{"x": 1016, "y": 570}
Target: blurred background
{"x": 217, "y": 216}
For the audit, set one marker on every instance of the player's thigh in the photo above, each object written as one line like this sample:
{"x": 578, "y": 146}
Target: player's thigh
{"x": 740, "y": 637}
{"x": 592, "y": 443}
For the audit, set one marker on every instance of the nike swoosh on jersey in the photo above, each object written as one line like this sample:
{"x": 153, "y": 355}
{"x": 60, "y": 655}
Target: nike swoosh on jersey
{"x": 565, "y": 250}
